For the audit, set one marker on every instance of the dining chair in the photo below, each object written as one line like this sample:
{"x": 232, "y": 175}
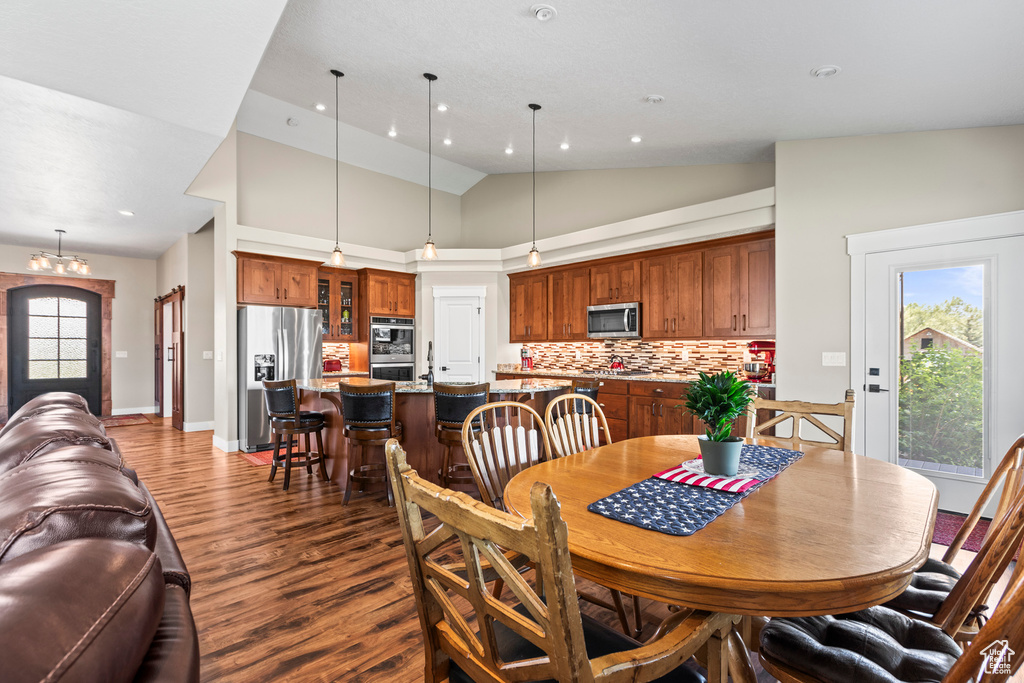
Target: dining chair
{"x": 796, "y": 413}
{"x": 575, "y": 423}
{"x": 289, "y": 423}
{"x": 957, "y": 606}
{"x": 501, "y": 439}
{"x": 879, "y": 644}
{"x": 537, "y": 634}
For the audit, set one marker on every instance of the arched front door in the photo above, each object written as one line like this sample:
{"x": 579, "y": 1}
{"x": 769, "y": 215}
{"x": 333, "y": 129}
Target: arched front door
{"x": 54, "y": 343}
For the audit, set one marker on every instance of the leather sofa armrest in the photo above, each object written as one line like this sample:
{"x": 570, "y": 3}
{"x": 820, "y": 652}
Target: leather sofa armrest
{"x": 166, "y": 548}
{"x": 173, "y": 656}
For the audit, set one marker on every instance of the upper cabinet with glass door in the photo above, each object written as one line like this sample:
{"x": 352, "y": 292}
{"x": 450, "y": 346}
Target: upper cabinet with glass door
{"x": 336, "y": 300}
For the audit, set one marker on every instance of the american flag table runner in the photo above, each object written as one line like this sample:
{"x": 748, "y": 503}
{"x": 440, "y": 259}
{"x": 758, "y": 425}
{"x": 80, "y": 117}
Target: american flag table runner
{"x": 660, "y": 503}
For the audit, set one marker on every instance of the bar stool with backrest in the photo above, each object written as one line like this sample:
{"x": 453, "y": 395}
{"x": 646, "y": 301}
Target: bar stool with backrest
{"x": 369, "y": 415}
{"x": 452, "y": 403}
{"x": 537, "y": 633}
{"x": 799, "y": 412}
{"x": 288, "y": 422}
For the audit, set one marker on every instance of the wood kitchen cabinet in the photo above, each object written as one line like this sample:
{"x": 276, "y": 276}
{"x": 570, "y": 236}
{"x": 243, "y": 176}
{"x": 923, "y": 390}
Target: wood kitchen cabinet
{"x": 616, "y": 282}
{"x": 336, "y": 299}
{"x": 570, "y": 296}
{"x": 528, "y": 307}
{"x": 739, "y": 290}
{"x": 658, "y": 408}
{"x": 673, "y": 296}
{"x": 276, "y": 280}
{"x": 389, "y": 293}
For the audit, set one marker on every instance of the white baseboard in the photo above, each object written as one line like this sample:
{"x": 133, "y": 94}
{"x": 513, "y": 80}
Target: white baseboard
{"x": 148, "y": 410}
{"x": 197, "y": 426}
{"x": 225, "y": 445}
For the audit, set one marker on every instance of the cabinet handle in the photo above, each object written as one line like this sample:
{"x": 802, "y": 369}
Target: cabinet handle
{"x": 277, "y": 292}
{"x": 601, "y": 404}
{"x": 570, "y": 328}
{"x": 564, "y": 326}
{"x": 744, "y": 322}
{"x": 733, "y": 323}
{"x": 661, "y": 410}
{"x": 616, "y": 292}
{"x": 600, "y": 384}
{"x": 666, "y": 324}
{"x": 652, "y": 408}
{"x": 659, "y": 391}
{"x": 609, "y": 292}
{"x": 673, "y": 324}
{"x": 286, "y": 294}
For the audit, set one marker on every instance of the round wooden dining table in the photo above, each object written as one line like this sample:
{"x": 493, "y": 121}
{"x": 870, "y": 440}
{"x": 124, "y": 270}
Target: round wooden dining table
{"x": 834, "y": 532}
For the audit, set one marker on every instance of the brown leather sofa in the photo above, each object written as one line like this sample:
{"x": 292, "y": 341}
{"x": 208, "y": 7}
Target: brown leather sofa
{"x": 92, "y": 585}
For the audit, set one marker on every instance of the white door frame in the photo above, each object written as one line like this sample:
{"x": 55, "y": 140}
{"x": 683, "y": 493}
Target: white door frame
{"x": 479, "y": 292}
{"x": 858, "y": 246}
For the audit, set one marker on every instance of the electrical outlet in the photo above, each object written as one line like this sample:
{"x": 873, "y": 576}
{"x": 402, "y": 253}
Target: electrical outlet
{"x": 684, "y": 356}
{"x": 579, "y": 356}
{"x": 207, "y": 355}
{"x": 120, "y": 354}
{"x": 833, "y": 359}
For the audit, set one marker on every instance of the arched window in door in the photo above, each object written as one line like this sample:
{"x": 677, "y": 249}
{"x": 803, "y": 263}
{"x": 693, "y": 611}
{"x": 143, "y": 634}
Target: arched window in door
{"x": 54, "y": 343}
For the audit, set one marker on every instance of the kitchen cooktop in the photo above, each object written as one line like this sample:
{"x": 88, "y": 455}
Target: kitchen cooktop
{"x": 617, "y": 372}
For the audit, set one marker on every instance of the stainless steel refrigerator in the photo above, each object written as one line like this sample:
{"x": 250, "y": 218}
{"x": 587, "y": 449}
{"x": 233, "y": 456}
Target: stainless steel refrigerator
{"x": 274, "y": 343}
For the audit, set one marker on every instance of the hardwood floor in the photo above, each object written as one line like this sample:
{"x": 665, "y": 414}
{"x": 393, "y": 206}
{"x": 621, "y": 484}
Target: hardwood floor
{"x": 286, "y": 586}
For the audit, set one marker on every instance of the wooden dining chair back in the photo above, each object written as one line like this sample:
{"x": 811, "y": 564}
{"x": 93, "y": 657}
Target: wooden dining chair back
{"x": 799, "y": 414}
{"x": 502, "y": 439}
{"x": 469, "y": 634}
{"x": 575, "y": 423}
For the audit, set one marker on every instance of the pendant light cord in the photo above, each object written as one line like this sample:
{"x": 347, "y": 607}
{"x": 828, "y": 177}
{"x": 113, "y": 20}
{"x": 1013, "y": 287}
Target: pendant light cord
{"x": 534, "y": 108}
{"x": 430, "y": 159}
{"x": 337, "y": 161}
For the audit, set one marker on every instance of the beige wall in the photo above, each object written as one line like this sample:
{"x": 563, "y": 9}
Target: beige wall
{"x": 134, "y": 279}
{"x": 288, "y": 189}
{"x": 497, "y": 211}
{"x": 827, "y": 189}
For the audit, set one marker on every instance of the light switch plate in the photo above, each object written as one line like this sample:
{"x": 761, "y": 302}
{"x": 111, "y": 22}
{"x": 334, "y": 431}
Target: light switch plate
{"x": 207, "y": 355}
{"x": 220, "y": 356}
{"x": 833, "y": 359}
{"x": 120, "y": 354}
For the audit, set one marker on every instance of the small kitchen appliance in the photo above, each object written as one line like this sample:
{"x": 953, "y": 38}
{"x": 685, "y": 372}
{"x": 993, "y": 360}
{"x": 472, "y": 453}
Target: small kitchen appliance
{"x": 761, "y": 368}
{"x": 332, "y": 365}
{"x": 617, "y": 363}
{"x": 614, "y": 321}
{"x": 526, "y": 356}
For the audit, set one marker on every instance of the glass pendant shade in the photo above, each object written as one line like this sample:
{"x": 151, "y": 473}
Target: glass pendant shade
{"x": 73, "y": 265}
{"x": 429, "y": 251}
{"x": 337, "y": 258}
{"x": 84, "y": 269}
{"x": 59, "y": 268}
{"x": 533, "y": 260}
{"x": 33, "y": 263}
{"x": 43, "y": 262}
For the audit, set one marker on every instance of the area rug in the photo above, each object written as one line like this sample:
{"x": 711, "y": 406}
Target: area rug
{"x": 947, "y": 524}
{"x": 125, "y": 420}
{"x": 258, "y": 458}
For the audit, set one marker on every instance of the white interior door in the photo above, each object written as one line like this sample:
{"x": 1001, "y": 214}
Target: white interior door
{"x": 168, "y": 355}
{"x": 458, "y": 331}
{"x": 941, "y": 385}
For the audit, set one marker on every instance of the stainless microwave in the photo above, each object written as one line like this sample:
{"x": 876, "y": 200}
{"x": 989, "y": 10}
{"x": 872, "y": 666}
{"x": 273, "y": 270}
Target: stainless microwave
{"x": 614, "y": 321}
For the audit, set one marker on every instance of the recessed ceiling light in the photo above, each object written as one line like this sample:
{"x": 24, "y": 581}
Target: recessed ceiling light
{"x": 320, "y": 106}
{"x": 544, "y": 12}
{"x": 126, "y": 212}
{"x": 564, "y": 145}
{"x": 442, "y": 107}
{"x": 826, "y": 71}
{"x": 392, "y": 133}
{"x": 447, "y": 141}
{"x": 508, "y": 150}
{"x": 292, "y": 121}
{"x": 635, "y": 138}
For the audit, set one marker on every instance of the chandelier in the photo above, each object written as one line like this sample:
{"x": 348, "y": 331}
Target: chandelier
{"x": 44, "y": 260}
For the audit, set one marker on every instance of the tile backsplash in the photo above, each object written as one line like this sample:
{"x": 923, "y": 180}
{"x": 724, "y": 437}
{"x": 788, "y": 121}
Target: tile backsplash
{"x": 673, "y": 357}
{"x": 336, "y": 351}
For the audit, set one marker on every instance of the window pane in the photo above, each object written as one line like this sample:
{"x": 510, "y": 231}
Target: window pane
{"x": 72, "y": 328}
{"x": 72, "y": 369}
{"x": 72, "y": 349}
{"x": 72, "y": 308}
{"x": 39, "y": 326}
{"x": 42, "y": 306}
{"x": 42, "y": 349}
{"x": 941, "y": 395}
{"x": 42, "y": 369}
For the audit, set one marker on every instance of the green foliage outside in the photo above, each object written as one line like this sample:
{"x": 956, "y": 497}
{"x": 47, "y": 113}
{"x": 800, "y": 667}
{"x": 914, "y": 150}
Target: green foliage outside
{"x": 940, "y": 411}
{"x": 953, "y": 316}
{"x": 717, "y": 400}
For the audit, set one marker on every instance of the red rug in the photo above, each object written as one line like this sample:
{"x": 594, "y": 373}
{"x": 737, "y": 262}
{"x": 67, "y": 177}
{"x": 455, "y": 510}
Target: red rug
{"x": 258, "y": 458}
{"x": 125, "y": 420}
{"x": 948, "y": 524}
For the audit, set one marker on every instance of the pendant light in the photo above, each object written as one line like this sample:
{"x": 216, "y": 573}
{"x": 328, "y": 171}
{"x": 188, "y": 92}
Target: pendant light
{"x": 41, "y": 260}
{"x": 533, "y": 260}
{"x": 337, "y": 258}
{"x": 429, "y": 251}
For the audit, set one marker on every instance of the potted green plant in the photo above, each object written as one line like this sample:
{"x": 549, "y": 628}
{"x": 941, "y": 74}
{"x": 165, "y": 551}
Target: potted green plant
{"x": 717, "y": 400}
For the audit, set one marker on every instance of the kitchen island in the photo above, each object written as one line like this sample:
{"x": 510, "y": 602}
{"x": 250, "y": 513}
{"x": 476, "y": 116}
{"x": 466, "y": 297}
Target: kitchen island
{"x": 414, "y": 408}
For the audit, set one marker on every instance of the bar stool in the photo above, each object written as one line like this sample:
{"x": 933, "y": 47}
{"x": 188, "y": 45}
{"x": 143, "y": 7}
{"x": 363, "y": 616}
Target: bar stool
{"x": 587, "y": 387}
{"x": 452, "y": 404}
{"x": 369, "y": 414}
{"x": 287, "y": 420}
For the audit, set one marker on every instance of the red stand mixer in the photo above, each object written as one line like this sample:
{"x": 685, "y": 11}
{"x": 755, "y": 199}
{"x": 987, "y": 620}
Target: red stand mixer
{"x": 761, "y": 368}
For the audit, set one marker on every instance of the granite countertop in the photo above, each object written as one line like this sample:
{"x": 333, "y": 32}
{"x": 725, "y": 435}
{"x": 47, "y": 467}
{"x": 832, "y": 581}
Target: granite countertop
{"x": 505, "y": 386}
{"x": 346, "y": 373}
{"x": 572, "y": 374}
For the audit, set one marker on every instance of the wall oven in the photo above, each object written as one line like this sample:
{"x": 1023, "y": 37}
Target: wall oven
{"x": 394, "y": 372}
{"x": 614, "y": 321}
{"x": 392, "y": 341}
